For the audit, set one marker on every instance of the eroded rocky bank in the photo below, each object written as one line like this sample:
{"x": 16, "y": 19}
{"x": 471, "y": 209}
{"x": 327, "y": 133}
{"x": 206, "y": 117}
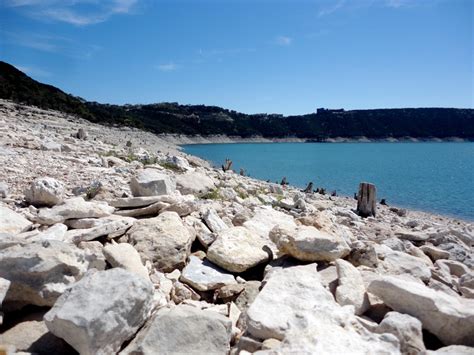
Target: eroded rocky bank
{"x": 114, "y": 241}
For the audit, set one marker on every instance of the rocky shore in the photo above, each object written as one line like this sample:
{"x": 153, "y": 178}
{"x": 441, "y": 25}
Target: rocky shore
{"x": 114, "y": 241}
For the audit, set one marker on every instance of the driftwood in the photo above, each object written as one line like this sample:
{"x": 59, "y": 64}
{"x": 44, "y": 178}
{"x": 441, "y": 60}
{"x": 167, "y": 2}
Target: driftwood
{"x": 227, "y": 165}
{"x": 366, "y": 200}
{"x": 308, "y": 188}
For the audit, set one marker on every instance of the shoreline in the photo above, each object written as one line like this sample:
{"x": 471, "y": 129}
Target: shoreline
{"x": 181, "y": 140}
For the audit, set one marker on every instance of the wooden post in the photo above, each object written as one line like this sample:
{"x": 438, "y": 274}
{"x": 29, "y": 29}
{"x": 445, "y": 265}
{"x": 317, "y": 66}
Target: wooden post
{"x": 366, "y": 200}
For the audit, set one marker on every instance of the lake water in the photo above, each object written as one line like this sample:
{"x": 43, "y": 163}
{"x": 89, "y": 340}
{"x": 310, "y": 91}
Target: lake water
{"x": 435, "y": 177}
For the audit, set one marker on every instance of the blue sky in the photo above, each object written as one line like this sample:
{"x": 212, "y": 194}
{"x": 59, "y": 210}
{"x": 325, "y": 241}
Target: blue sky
{"x": 253, "y": 56}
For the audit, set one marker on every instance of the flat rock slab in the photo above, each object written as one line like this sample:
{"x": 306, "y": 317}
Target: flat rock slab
{"x": 40, "y": 272}
{"x": 450, "y": 318}
{"x": 134, "y": 202}
{"x": 101, "y": 311}
{"x": 73, "y": 208}
{"x": 12, "y": 222}
{"x": 117, "y": 228}
{"x": 205, "y": 276}
{"x": 183, "y": 330}
{"x": 237, "y": 249}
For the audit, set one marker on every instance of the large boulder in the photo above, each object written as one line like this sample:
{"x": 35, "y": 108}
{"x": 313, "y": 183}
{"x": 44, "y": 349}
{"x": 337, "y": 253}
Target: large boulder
{"x": 351, "y": 288}
{"x": 150, "y": 182}
{"x": 307, "y": 243}
{"x": 12, "y": 222}
{"x": 183, "y": 330}
{"x": 450, "y": 318}
{"x": 194, "y": 183}
{"x": 163, "y": 240}
{"x": 237, "y": 249}
{"x": 40, "y": 272}
{"x": 204, "y": 276}
{"x": 73, "y": 208}
{"x": 45, "y": 191}
{"x": 294, "y": 307}
{"x": 101, "y": 311}
{"x": 125, "y": 256}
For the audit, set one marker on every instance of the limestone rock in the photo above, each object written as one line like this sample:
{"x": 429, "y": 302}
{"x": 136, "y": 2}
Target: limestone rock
{"x": 453, "y": 350}
{"x": 150, "y": 182}
{"x": 399, "y": 263}
{"x": 134, "y": 202}
{"x": 12, "y": 222}
{"x": 163, "y": 240}
{"x": 125, "y": 256}
{"x": 407, "y": 329}
{"x": 293, "y": 306}
{"x": 351, "y": 289}
{"x": 41, "y": 271}
{"x": 306, "y": 243}
{"x": 3, "y": 189}
{"x": 115, "y": 227}
{"x": 204, "y": 276}
{"x": 213, "y": 221}
{"x": 194, "y": 183}
{"x": 101, "y": 311}
{"x": 31, "y": 335}
{"x": 450, "y": 318}
{"x": 45, "y": 191}
{"x": 74, "y": 208}
{"x": 237, "y": 249}
{"x": 183, "y": 330}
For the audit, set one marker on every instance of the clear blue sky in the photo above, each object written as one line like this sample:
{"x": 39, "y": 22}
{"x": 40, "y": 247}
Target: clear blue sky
{"x": 250, "y": 55}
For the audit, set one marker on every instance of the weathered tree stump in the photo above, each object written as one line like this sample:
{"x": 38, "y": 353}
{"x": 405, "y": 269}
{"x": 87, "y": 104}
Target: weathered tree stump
{"x": 366, "y": 200}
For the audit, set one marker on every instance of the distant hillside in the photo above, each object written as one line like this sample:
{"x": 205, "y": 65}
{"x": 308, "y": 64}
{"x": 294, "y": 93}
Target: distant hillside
{"x": 210, "y": 120}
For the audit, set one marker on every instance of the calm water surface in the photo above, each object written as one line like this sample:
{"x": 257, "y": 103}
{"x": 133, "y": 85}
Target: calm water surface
{"x": 435, "y": 177}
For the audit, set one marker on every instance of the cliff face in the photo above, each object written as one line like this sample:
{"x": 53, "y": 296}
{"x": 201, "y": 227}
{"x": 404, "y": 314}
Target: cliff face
{"x": 210, "y": 120}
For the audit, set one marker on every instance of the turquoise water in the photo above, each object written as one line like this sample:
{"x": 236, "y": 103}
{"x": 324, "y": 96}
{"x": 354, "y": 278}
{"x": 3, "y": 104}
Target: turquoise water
{"x": 435, "y": 177}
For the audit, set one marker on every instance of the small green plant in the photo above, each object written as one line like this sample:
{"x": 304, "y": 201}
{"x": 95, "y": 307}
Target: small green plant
{"x": 211, "y": 195}
{"x": 170, "y": 166}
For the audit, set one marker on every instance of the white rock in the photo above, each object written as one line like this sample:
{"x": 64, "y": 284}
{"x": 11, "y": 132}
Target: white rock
{"x": 453, "y": 350}
{"x": 3, "y": 189}
{"x": 399, "y": 263}
{"x": 183, "y": 330}
{"x": 293, "y": 306}
{"x": 237, "y": 249}
{"x": 117, "y": 228}
{"x": 194, "y": 183}
{"x": 41, "y": 271}
{"x": 213, "y": 221}
{"x": 45, "y": 191}
{"x": 101, "y": 311}
{"x": 451, "y": 319}
{"x": 351, "y": 289}
{"x": 163, "y": 240}
{"x": 4, "y": 285}
{"x": 306, "y": 243}
{"x": 74, "y": 208}
{"x": 50, "y": 145}
{"x": 407, "y": 329}
{"x": 12, "y": 222}
{"x": 204, "y": 276}
{"x": 150, "y": 182}
{"x": 125, "y": 256}
{"x": 134, "y": 202}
